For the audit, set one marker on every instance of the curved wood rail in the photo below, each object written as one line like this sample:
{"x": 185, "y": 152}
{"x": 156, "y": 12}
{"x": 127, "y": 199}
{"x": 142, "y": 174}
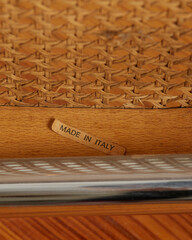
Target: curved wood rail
{"x": 25, "y": 132}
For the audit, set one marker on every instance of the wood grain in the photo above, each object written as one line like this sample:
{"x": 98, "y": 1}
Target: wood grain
{"x": 91, "y": 141}
{"x": 99, "y": 210}
{"x": 129, "y": 227}
{"x": 25, "y": 132}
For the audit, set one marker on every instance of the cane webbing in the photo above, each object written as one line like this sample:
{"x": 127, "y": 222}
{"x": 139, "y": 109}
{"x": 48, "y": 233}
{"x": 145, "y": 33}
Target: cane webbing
{"x": 96, "y": 53}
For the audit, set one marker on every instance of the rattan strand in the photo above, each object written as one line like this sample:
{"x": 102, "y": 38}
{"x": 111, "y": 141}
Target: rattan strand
{"x": 96, "y": 53}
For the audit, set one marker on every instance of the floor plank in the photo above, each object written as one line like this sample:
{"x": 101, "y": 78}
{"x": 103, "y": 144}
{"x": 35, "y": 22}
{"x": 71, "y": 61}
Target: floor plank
{"x": 137, "y": 227}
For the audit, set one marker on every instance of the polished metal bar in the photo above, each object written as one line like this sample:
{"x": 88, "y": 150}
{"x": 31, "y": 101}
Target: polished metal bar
{"x": 74, "y": 180}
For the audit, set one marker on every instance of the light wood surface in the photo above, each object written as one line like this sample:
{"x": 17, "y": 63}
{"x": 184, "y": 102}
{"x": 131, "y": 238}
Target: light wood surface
{"x": 26, "y": 132}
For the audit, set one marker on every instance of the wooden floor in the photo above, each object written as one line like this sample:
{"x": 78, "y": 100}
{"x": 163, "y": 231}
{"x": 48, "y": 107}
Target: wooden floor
{"x": 131, "y": 227}
{"x": 25, "y": 132}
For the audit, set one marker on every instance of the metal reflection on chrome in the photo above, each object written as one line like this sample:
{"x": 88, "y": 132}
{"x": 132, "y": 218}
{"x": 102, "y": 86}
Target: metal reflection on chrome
{"x": 73, "y": 180}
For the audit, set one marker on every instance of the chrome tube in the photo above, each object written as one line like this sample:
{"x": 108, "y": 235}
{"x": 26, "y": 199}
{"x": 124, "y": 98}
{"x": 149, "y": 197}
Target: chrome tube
{"x": 74, "y": 180}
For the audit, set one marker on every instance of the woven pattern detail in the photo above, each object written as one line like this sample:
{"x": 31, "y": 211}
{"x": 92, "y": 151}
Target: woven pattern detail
{"x": 96, "y": 53}
{"x": 112, "y": 165}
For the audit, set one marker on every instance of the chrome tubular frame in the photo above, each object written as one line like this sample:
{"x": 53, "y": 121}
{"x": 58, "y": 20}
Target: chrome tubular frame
{"x": 75, "y": 180}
